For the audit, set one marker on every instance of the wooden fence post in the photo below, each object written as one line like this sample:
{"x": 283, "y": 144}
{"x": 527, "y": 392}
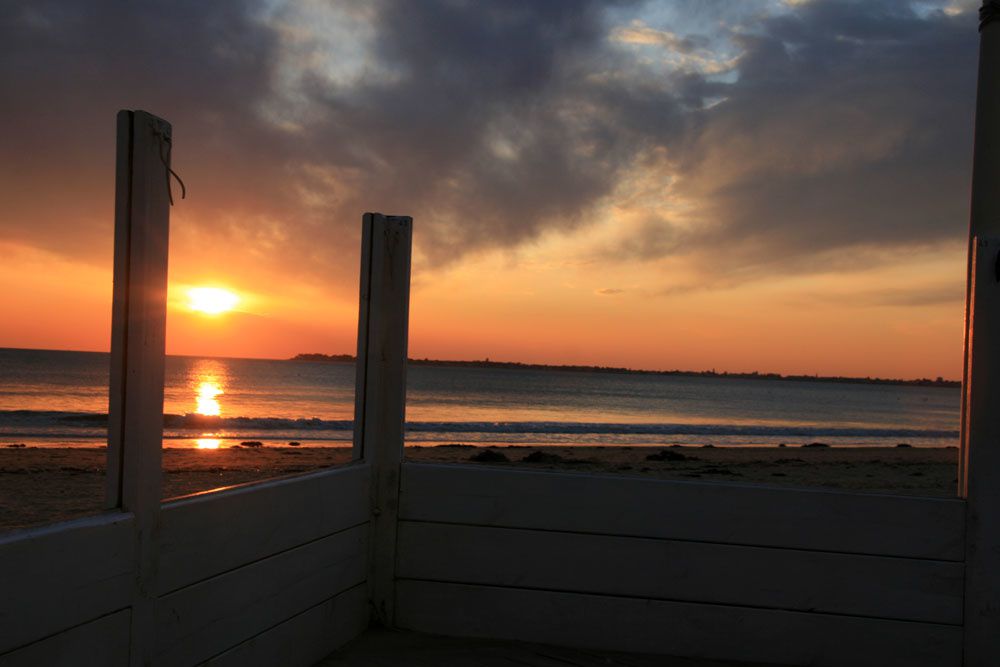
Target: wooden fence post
{"x": 984, "y": 214}
{"x": 380, "y": 401}
{"x": 138, "y": 332}
{"x": 982, "y": 458}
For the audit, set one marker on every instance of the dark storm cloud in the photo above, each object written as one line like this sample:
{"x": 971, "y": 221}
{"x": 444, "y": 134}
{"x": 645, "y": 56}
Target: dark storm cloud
{"x": 849, "y": 125}
{"x": 67, "y": 67}
{"x": 490, "y": 131}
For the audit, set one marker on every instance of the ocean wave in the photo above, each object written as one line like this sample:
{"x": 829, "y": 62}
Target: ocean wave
{"x": 51, "y": 420}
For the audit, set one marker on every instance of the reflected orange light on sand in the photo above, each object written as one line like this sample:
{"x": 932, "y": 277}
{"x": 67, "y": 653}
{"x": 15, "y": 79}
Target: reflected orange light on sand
{"x": 208, "y": 443}
{"x": 207, "y": 403}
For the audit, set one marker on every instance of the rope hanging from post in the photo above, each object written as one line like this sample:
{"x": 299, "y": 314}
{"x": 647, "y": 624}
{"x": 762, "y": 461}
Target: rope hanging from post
{"x": 165, "y": 148}
{"x": 989, "y": 11}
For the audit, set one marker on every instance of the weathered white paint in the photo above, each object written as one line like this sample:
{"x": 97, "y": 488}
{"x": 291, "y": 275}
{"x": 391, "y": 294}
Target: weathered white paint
{"x": 59, "y": 576}
{"x": 675, "y": 628}
{"x": 982, "y": 453}
{"x": 103, "y": 641}
{"x": 208, "y": 534}
{"x": 381, "y": 404}
{"x": 135, "y": 410}
{"x": 305, "y": 639}
{"x": 984, "y": 213}
{"x": 814, "y": 581}
{"x": 364, "y": 315}
{"x": 210, "y": 617}
{"x": 883, "y": 525}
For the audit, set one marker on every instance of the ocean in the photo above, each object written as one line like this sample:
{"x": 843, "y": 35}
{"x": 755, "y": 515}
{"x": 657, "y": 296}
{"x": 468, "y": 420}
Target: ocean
{"x": 55, "y": 398}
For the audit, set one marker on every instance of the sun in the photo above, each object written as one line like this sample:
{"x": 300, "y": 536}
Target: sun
{"x": 211, "y": 300}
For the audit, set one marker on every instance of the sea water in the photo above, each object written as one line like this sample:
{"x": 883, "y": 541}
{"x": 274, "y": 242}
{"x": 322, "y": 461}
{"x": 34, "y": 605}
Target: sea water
{"x": 55, "y": 398}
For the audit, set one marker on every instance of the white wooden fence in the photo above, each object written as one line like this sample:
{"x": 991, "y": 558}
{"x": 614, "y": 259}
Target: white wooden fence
{"x": 284, "y": 571}
{"x": 684, "y": 568}
{"x": 262, "y": 574}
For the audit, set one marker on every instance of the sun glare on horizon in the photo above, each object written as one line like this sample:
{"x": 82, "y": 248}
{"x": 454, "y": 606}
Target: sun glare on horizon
{"x": 211, "y": 300}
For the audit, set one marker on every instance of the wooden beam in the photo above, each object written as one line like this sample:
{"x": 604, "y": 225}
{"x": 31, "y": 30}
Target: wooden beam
{"x": 982, "y": 459}
{"x": 878, "y": 525}
{"x": 364, "y": 315}
{"x": 305, "y": 639}
{"x": 213, "y": 616}
{"x": 906, "y": 589}
{"x": 63, "y": 575}
{"x": 639, "y": 625}
{"x": 139, "y": 311}
{"x": 984, "y": 213}
{"x": 103, "y": 641}
{"x": 211, "y": 533}
{"x": 381, "y": 401}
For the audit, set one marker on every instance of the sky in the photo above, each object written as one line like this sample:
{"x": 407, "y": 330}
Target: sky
{"x": 739, "y": 185}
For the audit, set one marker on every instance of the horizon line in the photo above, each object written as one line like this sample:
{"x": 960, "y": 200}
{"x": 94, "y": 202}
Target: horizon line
{"x": 488, "y": 360}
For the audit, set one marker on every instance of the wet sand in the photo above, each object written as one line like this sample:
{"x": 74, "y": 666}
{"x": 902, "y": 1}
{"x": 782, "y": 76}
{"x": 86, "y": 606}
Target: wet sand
{"x": 39, "y": 485}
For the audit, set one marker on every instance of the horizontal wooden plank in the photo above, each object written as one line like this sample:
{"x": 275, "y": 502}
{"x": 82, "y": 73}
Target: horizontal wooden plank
{"x": 208, "y": 534}
{"x": 63, "y": 575}
{"x": 212, "y": 616}
{"x": 304, "y": 639}
{"x": 104, "y": 641}
{"x": 727, "y": 513}
{"x": 897, "y": 588}
{"x": 673, "y": 628}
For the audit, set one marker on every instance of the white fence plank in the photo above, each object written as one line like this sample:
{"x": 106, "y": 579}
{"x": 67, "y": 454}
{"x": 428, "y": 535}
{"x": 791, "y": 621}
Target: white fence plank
{"x": 895, "y": 588}
{"x": 208, "y": 534}
{"x": 207, "y": 618}
{"x": 305, "y": 639}
{"x": 727, "y": 513}
{"x": 59, "y": 576}
{"x": 982, "y": 458}
{"x": 674, "y": 628}
{"x": 103, "y": 641}
{"x": 380, "y": 407}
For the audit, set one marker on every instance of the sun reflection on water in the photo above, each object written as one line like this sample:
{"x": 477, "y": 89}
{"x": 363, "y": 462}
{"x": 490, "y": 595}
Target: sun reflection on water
{"x": 207, "y": 403}
{"x": 208, "y": 380}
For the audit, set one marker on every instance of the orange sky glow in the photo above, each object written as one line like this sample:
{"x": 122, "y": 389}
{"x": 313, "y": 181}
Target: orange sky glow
{"x": 651, "y": 186}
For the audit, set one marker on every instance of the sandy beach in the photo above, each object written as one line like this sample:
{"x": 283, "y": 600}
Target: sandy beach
{"x": 43, "y": 484}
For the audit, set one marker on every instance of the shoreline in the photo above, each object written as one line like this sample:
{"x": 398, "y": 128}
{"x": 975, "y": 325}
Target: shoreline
{"x": 213, "y": 441}
{"x": 44, "y": 484}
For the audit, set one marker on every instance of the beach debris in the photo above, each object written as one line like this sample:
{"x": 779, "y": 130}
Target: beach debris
{"x": 816, "y": 445}
{"x": 667, "y": 455}
{"x": 904, "y": 445}
{"x": 489, "y": 456}
{"x": 294, "y": 443}
{"x": 16, "y": 445}
{"x": 716, "y": 470}
{"x": 252, "y": 443}
{"x": 708, "y": 446}
{"x": 539, "y": 456}
{"x": 455, "y": 445}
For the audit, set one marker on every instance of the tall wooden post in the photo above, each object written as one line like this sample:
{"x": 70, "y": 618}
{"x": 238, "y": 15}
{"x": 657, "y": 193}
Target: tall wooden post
{"x": 982, "y": 459}
{"x": 138, "y": 333}
{"x": 380, "y": 400}
{"x": 979, "y": 464}
{"x": 984, "y": 215}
